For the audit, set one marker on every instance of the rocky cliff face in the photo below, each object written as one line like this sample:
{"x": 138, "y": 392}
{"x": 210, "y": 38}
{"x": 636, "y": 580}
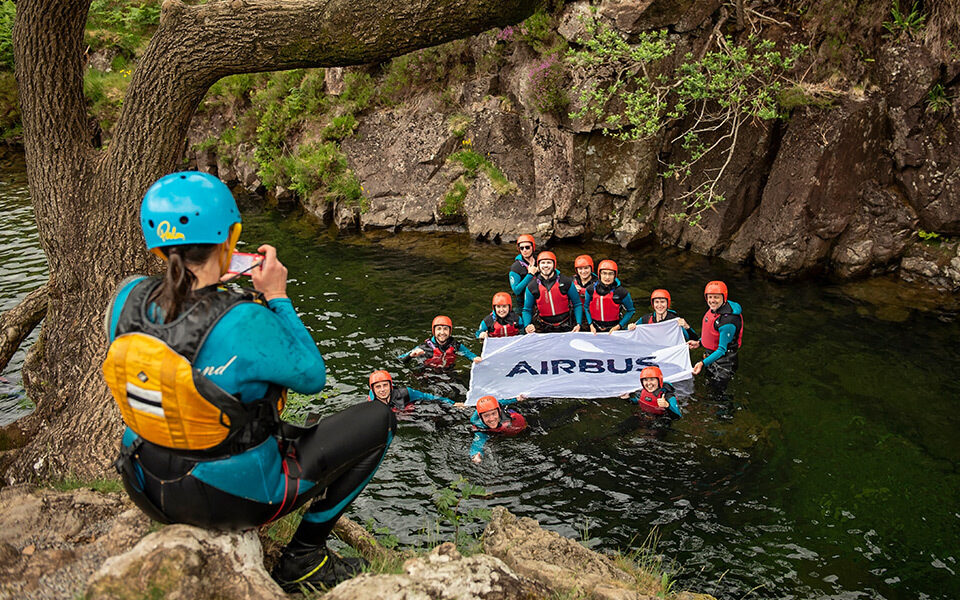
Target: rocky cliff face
{"x": 840, "y": 187}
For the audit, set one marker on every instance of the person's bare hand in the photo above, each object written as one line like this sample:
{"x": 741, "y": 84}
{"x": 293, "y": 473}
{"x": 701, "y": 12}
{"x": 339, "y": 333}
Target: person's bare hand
{"x": 693, "y": 344}
{"x": 631, "y": 326}
{"x": 459, "y": 405}
{"x": 530, "y": 328}
{"x": 417, "y": 352}
{"x": 662, "y": 403}
{"x": 576, "y": 328}
{"x": 533, "y": 269}
{"x": 482, "y": 336}
{"x": 697, "y": 368}
{"x": 593, "y": 329}
{"x": 615, "y": 328}
{"x": 477, "y": 458}
{"x": 682, "y": 323}
{"x": 270, "y": 278}
{"x": 477, "y": 359}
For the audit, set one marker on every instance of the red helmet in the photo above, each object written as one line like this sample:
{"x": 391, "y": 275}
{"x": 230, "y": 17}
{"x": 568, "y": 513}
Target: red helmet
{"x": 502, "y": 298}
{"x": 378, "y": 376}
{"x": 653, "y": 372}
{"x": 486, "y": 404}
{"x": 527, "y": 238}
{"x": 715, "y": 287}
{"x": 547, "y": 256}
{"x": 583, "y": 260}
{"x": 607, "y": 265}
{"x": 441, "y": 320}
{"x": 660, "y": 294}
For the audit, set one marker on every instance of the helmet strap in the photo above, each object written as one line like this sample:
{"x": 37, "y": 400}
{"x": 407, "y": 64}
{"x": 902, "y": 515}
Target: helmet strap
{"x": 228, "y": 246}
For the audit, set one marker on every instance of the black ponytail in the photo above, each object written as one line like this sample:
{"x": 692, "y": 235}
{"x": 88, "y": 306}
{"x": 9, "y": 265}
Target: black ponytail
{"x": 176, "y": 290}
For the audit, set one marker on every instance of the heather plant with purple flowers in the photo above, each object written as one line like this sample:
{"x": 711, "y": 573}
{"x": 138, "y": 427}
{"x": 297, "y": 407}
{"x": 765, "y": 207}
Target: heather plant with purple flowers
{"x": 546, "y": 85}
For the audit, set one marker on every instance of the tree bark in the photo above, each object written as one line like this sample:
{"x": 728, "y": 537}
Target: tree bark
{"x": 17, "y": 323}
{"x": 86, "y": 199}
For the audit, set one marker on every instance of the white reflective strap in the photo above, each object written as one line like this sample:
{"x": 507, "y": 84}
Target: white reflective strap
{"x": 144, "y": 407}
{"x": 151, "y": 395}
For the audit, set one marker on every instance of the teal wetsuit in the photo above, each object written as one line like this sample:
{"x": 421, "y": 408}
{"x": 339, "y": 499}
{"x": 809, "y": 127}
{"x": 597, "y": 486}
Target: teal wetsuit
{"x": 480, "y": 434}
{"x": 250, "y": 347}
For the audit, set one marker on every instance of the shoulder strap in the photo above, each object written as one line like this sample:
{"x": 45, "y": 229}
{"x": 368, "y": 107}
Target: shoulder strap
{"x": 186, "y": 334}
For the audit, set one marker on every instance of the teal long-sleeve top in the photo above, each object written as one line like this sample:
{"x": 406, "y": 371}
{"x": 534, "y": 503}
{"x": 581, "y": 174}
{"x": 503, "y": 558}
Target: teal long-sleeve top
{"x": 480, "y": 435}
{"x": 727, "y": 332}
{"x": 250, "y": 347}
{"x": 520, "y": 277}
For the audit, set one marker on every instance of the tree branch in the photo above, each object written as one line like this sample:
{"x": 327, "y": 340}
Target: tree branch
{"x": 17, "y": 323}
{"x": 197, "y": 45}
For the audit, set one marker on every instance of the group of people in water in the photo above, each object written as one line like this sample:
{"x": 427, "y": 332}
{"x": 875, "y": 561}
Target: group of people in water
{"x": 200, "y": 373}
{"x": 555, "y": 303}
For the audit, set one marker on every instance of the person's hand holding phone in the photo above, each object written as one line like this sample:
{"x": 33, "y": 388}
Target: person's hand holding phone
{"x": 270, "y": 278}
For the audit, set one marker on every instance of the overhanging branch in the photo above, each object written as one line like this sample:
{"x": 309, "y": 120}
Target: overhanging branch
{"x": 199, "y": 44}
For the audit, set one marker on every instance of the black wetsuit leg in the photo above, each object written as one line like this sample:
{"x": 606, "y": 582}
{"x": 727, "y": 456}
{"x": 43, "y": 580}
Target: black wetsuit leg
{"x": 341, "y": 453}
{"x": 721, "y": 371}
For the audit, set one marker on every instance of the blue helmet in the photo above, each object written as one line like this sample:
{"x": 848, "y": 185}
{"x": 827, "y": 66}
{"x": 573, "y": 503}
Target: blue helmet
{"x": 187, "y": 208}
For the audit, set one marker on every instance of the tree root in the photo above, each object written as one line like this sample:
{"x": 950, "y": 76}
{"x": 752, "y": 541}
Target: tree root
{"x": 17, "y": 323}
{"x": 354, "y": 534}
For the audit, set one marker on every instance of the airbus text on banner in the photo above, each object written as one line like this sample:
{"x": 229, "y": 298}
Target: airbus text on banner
{"x": 578, "y": 365}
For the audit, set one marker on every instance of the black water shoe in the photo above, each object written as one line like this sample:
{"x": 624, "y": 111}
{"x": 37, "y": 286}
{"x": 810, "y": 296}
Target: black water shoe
{"x": 318, "y": 568}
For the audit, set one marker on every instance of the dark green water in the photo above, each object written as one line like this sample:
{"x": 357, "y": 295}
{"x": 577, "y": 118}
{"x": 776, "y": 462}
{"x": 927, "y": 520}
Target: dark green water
{"x": 832, "y": 472}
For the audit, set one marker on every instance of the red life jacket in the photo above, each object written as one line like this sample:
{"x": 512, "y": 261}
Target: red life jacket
{"x": 602, "y": 308}
{"x": 652, "y": 317}
{"x": 552, "y": 302}
{"x": 497, "y": 329}
{"x": 648, "y": 402}
{"x": 443, "y": 359}
{"x": 582, "y": 289}
{"x": 514, "y": 424}
{"x": 712, "y": 321}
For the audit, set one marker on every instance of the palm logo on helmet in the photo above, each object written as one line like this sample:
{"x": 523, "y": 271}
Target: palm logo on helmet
{"x": 662, "y": 294}
{"x": 716, "y": 287}
{"x": 188, "y": 208}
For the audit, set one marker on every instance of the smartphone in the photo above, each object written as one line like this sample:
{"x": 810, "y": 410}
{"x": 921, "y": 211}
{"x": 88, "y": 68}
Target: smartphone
{"x": 242, "y": 262}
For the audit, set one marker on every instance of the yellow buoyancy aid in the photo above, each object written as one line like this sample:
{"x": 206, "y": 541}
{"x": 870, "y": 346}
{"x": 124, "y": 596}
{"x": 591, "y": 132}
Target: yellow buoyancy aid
{"x": 163, "y": 398}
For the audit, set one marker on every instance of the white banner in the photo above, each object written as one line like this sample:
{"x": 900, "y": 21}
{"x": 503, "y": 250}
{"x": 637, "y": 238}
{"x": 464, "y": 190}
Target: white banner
{"x": 578, "y": 365}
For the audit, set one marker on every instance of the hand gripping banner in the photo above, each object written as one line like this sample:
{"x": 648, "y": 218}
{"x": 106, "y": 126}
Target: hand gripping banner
{"x": 578, "y": 365}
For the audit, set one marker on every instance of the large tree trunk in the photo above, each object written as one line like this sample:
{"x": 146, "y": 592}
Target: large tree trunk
{"x": 86, "y": 199}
